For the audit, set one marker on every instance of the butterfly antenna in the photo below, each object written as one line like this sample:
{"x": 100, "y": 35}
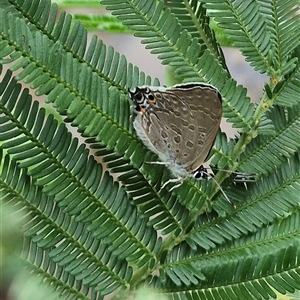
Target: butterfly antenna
{"x": 239, "y": 176}
{"x": 219, "y": 186}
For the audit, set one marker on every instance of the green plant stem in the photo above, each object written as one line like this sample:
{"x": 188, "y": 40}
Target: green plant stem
{"x": 246, "y": 138}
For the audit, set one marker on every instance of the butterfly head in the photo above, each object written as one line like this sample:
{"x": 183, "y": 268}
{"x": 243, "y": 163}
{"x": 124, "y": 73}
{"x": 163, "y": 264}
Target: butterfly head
{"x": 142, "y": 98}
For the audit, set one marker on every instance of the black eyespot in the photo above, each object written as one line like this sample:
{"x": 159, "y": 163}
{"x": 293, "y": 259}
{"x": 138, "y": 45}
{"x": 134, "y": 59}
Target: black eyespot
{"x": 138, "y": 96}
{"x": 151, "y": 97}
{"x": 137, "y": 108}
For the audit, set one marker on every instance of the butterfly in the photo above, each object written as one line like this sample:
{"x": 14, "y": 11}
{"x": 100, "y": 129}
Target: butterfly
{"x": 178, "y": 123}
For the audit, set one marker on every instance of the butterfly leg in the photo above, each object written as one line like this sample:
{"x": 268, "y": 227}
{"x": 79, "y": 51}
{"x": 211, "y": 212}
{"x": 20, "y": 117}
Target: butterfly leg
{"x": 173, "y": 180}
{"x": 179, "y": 179}
{"x": 156, "y": 162}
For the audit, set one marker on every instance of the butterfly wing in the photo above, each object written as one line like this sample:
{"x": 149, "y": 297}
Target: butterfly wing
{"x": 205, "y": 104}
{"x": 172, "y": 123}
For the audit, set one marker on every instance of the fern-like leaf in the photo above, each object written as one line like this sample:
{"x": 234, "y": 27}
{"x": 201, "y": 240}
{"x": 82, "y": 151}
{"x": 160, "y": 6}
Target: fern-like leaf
{"x": 243, "y": 22}
{"x": 192, "y": 17}
{"x": 269, "y": 152}
{"x": 64, "y": 177}
{"x": 282, "y": 17}
{"x": 55, "y": 242}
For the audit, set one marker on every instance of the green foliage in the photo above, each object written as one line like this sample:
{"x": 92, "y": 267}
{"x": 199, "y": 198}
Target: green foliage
{"x": 77, "y": 3}
{"x": 97, "y": 222}
{"x": 106, "y": 23}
